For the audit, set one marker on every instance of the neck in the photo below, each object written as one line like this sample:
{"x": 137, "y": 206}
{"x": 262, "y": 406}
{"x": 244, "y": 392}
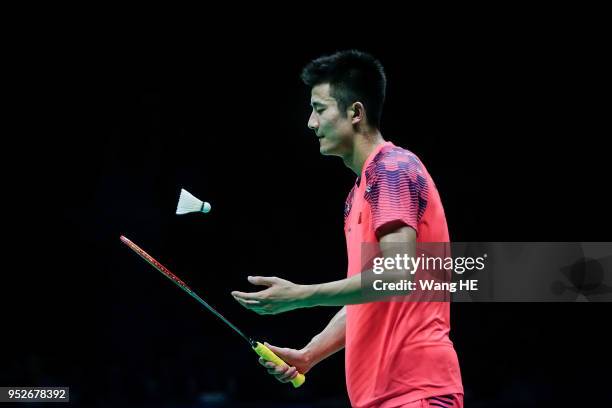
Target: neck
{"x": 364, "y": 144}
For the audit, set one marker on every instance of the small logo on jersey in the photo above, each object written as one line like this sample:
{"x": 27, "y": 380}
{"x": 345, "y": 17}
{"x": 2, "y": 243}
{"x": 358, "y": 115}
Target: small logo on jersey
{"x": 368, "y": 188}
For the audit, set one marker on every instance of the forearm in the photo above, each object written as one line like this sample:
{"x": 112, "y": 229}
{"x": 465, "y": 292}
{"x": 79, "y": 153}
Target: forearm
{"x": 349, "y": 291}
{"x": 330, "y": 340}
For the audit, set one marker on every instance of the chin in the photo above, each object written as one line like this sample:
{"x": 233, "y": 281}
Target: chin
{"x": 326, "y": 150}
{"x": 331, "y": 151}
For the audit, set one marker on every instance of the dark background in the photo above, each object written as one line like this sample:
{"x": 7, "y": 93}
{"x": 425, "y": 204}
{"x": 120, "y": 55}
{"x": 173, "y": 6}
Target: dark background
{"x": 510, "y": 129}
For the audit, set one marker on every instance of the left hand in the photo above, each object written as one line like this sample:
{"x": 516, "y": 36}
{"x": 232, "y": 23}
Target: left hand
{"x": 280, "y": 296}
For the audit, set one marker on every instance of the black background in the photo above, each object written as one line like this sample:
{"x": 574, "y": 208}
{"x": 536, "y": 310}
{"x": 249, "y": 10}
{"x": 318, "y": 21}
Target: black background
{"x": 509, "y": 127}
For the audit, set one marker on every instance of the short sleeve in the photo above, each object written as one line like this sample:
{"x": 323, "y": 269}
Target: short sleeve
{"x": 397, "y": 193}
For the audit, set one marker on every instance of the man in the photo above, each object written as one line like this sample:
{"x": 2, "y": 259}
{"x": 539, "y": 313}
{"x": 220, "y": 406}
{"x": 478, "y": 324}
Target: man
{"x": 398, "y": 354}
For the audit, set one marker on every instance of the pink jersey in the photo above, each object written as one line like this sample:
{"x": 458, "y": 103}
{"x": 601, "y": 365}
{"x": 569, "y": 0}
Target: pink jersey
{"x": 396, "y": 352}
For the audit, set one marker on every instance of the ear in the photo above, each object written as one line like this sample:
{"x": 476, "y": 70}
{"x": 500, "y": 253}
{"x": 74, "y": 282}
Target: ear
{"x": 357, "y": 112}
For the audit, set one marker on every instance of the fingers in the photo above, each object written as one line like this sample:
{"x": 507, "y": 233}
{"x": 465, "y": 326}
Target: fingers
{"x": 246, "y": 295}
{"x": 257, "y": 301}
{"x": 263, "y": 280}
{"x": 249, "y": 304}
{"x": 282, "y": 373}
{"x": 254, "y": 305}
{"x": 289, "y": 375}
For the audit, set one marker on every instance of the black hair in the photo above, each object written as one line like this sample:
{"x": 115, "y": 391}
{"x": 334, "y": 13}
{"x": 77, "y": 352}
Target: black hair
{"x": 353, "y": 76}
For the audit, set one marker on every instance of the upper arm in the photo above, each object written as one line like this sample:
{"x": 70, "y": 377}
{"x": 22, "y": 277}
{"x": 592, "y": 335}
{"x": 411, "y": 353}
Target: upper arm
{"x": 399, "y": 241}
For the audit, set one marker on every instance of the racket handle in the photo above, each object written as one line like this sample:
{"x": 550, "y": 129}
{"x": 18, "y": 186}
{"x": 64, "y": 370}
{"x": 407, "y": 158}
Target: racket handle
{"x": 269, "y": 355}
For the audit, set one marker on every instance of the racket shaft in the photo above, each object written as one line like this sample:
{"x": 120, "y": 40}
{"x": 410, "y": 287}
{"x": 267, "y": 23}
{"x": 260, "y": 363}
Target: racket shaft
{"x": 166, "y": 272}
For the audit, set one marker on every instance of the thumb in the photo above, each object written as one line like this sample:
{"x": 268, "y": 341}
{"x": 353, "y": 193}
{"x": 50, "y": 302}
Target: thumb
{"x": 283, "y": 353}
{"x": 261, "y": 280}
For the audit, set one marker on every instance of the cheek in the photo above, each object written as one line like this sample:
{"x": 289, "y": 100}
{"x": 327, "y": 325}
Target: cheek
{"x": 331, "y": 125}
{"x": 324, "y": 125}
{"x": 343, "y": 128}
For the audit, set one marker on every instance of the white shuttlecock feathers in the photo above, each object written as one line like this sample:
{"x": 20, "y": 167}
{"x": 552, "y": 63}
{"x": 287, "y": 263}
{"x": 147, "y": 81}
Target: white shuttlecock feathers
{"x": 188, "y": 203}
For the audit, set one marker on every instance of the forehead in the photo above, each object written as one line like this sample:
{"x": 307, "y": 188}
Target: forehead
{"x": 321, "y": 94}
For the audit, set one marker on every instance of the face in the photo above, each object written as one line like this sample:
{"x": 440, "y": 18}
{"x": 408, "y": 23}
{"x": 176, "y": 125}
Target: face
{"x": 333, "y": 128}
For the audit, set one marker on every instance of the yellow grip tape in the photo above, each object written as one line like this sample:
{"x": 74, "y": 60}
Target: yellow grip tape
{"x": 269, "y": 355}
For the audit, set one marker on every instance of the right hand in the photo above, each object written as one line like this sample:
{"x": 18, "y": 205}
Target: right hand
{"x": 298, "y": 363}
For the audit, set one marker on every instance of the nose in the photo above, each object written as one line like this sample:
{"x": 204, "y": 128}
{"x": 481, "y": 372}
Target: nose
{"x": 313, "y": 122}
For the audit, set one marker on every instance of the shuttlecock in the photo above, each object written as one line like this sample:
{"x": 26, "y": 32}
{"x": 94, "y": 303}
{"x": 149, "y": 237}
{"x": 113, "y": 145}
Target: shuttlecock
{"x": 188, "y": 203}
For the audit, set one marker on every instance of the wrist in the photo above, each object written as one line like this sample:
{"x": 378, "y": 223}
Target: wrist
{"x": 307, "y": 295}
{"x": 309, "y": 355}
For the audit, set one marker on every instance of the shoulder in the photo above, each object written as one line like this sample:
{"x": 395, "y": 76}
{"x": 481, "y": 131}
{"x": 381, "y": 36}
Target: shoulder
{"x": 393, "y": 161}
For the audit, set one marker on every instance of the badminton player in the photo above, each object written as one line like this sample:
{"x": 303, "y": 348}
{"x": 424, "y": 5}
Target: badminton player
{"x": 398, "y": 354}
